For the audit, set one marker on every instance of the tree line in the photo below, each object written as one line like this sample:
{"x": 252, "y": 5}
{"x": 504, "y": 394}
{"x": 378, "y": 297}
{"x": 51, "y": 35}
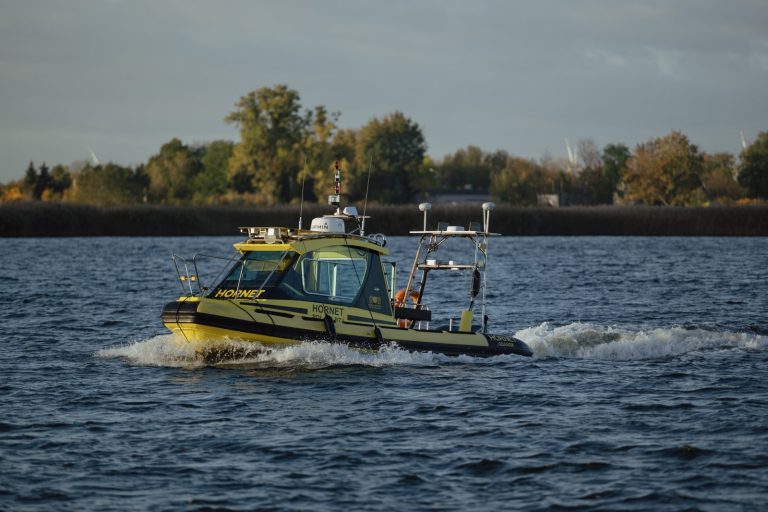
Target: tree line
{"x": 284, "y": 149}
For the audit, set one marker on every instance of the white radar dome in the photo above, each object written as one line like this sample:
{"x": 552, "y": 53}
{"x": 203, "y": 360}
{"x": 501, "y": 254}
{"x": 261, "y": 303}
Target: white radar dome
{"x": 327, "y": 224}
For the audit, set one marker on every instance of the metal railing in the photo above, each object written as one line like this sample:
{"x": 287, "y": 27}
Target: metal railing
{"x": 189, "y": 273}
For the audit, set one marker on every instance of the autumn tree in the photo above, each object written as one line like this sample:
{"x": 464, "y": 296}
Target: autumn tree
{"x": 171, "y": 172}
{"x": 395, "y": 148}
{"x": 466, "y": 169}
{"x": 753, "y": 171}
{"x": 665, "y": 171}
{"x": 519, "y": 181}
{"x": 718, "y": 178}
{"x": 321, "y": 149}
{"x": 268, "y": 157}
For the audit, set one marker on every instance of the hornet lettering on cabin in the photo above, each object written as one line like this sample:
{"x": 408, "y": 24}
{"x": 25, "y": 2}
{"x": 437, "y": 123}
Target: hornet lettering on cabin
{"x": 237, "y": 294}
{"x": 335, "y": 312}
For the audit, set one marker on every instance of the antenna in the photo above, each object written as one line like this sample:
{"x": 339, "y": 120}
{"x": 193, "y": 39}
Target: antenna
{"x": 335, "y": 198}
{"x": 743, "y": 141}
{"x": 301, "y": 204}
{"x": 367, "y": 186}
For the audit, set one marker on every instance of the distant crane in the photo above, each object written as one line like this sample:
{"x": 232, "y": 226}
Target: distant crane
{"x": 743, "y": 141}
{"x": 93, "y": 157}
{"x": 573, "y": 158}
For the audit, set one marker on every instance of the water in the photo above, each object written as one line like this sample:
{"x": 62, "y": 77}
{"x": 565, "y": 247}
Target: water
{"x": 648, "y": 390}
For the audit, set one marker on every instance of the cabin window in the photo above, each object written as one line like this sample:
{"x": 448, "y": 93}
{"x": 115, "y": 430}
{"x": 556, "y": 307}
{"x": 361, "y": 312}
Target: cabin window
{"x": 253, "y": 269}
{"x": 336, "y": 273}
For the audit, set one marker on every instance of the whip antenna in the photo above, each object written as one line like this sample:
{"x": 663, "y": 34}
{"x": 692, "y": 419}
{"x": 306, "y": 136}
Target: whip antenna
{"x": 303, "y": 177}
{"x": 367, "y": 186}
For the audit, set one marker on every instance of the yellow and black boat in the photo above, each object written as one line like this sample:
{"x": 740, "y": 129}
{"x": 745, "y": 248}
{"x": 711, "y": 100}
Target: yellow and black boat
{"x": 332, "y": 283}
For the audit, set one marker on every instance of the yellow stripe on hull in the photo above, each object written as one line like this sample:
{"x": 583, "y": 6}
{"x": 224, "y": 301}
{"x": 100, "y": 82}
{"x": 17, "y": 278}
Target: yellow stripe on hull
{"x": 197, "y": 333}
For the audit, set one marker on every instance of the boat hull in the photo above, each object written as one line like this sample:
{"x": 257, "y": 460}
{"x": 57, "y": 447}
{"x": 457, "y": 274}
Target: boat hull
{"x": 274, "y": 325}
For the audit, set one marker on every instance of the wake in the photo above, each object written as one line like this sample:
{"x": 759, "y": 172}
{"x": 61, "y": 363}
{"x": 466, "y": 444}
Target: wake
{"x": 626, "y": 343}
{"x": 173, "y": 351}
{"x": 572, "y": 341}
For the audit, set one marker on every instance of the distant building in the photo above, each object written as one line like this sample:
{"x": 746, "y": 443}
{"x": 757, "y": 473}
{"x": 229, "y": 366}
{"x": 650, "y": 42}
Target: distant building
{"x": 459, "y": 198}
{"x": 560, "y": 199}
{"x": 551, "y": 200}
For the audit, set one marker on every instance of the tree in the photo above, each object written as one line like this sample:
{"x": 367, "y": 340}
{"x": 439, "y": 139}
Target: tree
{"x": 272, "y": 129}
{"x": 213, "y": 179}
{"x": 466, "y": 169}
{"x": 110, "y": 184}
{"x": 615, "y": 158}
{"x": 590, "y": 185}
{"x": 519, "y": 181}
{"x": 665, "y": 171}
{"x": 61, "y": 180}
{"x": 753, "y": 171}
{"x": 718, "y": 178}
{"x": 171, "y": 172}
{"x": 395, "y": 147}
{"x": 324, "y": 144}
{"x": 589, "y": 154}
{"x": 30, "y": 178}
{"x": 42, "y": 183}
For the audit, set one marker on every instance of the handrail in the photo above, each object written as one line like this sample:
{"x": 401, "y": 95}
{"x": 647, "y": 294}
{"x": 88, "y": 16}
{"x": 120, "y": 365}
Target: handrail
{"x": 202, "y": 289}
{"x": 180, "y": 263}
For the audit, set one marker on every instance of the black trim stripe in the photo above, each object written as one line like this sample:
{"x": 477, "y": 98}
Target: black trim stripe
{"x": 355, "y": 318}
{"x": 186, "y": 313}
{"x": 301, "y": 311}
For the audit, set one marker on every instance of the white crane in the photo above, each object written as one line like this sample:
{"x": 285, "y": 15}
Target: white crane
{"x": 93, "y": 157}
{"x": 743, "y": 141}
{"x": 573, "y": 157}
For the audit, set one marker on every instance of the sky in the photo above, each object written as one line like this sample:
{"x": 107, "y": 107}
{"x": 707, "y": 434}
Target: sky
{"x": 121, "y": 78}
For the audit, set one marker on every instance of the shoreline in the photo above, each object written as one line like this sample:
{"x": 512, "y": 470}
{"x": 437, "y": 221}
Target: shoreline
{"x": 67, "y": 219}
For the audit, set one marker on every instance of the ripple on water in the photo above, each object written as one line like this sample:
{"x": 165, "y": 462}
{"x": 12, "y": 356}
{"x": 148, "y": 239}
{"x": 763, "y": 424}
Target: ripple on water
{"x": 647, "y": 389}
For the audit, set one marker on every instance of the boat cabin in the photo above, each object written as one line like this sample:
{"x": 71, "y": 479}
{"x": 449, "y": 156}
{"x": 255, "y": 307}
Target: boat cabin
{"x": 338, "y": 269}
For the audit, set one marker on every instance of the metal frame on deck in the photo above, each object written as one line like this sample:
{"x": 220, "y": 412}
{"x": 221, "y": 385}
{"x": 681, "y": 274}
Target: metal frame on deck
{"x": 430, "y": 242}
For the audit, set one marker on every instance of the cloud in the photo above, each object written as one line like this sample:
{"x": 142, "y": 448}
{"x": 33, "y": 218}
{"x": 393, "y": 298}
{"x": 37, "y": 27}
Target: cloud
{"x": 666, "y": 62}
{"x": 517, "y": 76}
{"x": 758, "y": 57}
{"x": 605, "y": 58}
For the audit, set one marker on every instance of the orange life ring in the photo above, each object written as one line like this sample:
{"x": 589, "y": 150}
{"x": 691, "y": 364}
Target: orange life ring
{"x": 400, "y": 303}
{"x": 400, "y": 298}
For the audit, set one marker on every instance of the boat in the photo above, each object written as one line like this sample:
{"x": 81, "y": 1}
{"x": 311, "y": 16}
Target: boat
{"x": 333, "y": 283}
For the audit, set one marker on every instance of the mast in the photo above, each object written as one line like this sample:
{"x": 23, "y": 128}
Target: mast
{"x": 335, "y": 198}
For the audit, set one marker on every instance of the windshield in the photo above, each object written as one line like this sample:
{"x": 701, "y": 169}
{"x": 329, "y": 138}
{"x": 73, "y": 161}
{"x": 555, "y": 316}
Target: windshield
{"x": 256, "y": 270}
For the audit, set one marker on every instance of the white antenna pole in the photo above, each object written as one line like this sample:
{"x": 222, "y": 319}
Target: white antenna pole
{"x": 367, "y": 187}
{"x": 743, "y": 141}
{"x": 487, "y": 207}
{"x": 303, "y": 177}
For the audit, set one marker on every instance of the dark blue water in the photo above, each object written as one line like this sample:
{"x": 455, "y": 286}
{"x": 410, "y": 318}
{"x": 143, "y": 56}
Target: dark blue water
{"x": 649, "y": 389}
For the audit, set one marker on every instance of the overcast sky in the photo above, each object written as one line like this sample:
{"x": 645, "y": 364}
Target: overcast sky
{"x": 124, "y": 77}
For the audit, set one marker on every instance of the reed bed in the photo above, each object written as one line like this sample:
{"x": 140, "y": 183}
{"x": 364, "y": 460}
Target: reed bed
{"x": 65, "y": 219}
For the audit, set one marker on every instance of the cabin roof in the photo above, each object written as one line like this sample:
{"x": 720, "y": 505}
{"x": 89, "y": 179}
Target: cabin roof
{"x": 301, "y": 241}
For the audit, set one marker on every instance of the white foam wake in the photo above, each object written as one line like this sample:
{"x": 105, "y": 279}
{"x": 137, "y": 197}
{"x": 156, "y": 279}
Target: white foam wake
{"x": 576, "y": 341}
{"x": 174, "y": 351}
{"x": 590, "y": 341}
{"x": 163, "y": 350}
